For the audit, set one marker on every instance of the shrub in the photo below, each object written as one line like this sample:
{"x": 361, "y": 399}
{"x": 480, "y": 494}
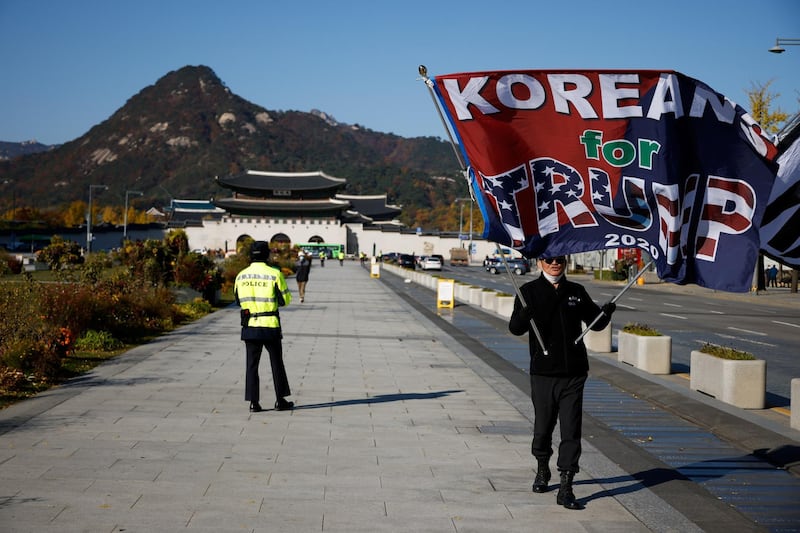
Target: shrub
{"x": 148, "y": 261}
{"x": 97, "y": 341}
{"x": 38, "y": 350}
{"x": 97, "y": 307}
{"x": 641, "y": 329}
{"x": 132, "y": 314}
{"x": 724, "y": 352}
{"x": 198, "y": 271}
{"x": 231, "y": 267}
{"x": 60, "y": 253}
{"x": 9, "y": 264}
{"x": 28, "y": 341}
{"x": 196, "y": 308}
{"x": 11, "y": 379}
{"x": 95, "y": 265}
{"x": 69, "y": 305}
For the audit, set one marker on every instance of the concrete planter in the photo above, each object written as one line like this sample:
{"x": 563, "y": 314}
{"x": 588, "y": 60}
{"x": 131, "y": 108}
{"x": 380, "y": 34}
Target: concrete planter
{"x": 505, "y": 306}
{"x": 651, "y": 354}
{"x": 489, "y": 300}
{"x": 739, "y": 383}
{"x": 598, "y": 341}
{"x": 475, "y": 295}
{"x": 462, "y": 292}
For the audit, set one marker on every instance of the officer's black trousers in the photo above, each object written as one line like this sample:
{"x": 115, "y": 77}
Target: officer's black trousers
{"x": 252, "y": 383}
{"x": 558, "y": 399}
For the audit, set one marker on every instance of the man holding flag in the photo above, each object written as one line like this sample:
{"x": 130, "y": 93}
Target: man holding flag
{"x": 568, "y": 161}
{"x": 558, "y": 368}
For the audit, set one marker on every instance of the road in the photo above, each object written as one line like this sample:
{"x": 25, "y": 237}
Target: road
{"x": 692, "y": 318}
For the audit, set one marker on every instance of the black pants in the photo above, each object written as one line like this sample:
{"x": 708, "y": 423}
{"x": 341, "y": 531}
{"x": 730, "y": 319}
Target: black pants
{"x": 252, "y": 382}
{"x": 558, "y": 399}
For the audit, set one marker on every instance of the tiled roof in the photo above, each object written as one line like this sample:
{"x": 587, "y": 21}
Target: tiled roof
{"x": 255, "y": 180}
{"x": 199, "y": 206}
{"x": 373, "y": 206}
{"x": 256, "y": 207}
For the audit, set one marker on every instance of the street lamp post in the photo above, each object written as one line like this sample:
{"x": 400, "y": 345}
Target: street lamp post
{"x": 460, "y": 219}
{"x": 470, "y": 225}
{"x": 89, "y": 217}
{"x": 125, "y": 216}
{"x": 781, "y": 42}
{"x": 12, "y": 215}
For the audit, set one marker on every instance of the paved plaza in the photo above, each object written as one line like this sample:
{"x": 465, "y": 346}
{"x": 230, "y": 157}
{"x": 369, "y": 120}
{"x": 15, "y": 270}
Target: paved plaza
{"x": 397, "y": 427}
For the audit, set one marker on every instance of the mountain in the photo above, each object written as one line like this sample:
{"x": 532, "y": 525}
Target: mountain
{"x": 10, "y": 150}
{"x": 172, "y": 138}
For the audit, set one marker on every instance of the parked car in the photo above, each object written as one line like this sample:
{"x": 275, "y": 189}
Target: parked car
{"x": 517, "y": 265}
{"x": 431, "y": 263}
{"x": 406, "y": 261}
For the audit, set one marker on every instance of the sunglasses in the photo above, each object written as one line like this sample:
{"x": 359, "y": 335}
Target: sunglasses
{"x": 553, "y": 260}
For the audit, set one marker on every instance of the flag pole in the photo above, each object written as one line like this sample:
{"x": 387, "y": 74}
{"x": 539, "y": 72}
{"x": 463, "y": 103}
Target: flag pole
{"x": 423, "y": 71}
{"x": 521, "y": 298}
{"x": 614, "y": 300}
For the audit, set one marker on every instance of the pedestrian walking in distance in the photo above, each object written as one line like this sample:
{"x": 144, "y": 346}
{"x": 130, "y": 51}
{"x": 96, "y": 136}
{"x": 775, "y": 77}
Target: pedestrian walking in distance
{"x": 557, "y": 307}
{"x": 260, "y": 290}
{"x": 301, "y": 274}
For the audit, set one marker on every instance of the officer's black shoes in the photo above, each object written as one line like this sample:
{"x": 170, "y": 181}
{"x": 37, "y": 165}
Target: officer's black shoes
{"x": 565, "y": 495}
{"x": 540, "y": 484}
{"x": 255, "y": 407}
{"x": 284, "y": 405}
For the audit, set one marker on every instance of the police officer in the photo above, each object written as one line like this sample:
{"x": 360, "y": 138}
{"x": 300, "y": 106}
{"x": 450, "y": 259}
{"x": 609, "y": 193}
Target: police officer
{"x": 557, "y": 307}
{"x": 260, "y": 290}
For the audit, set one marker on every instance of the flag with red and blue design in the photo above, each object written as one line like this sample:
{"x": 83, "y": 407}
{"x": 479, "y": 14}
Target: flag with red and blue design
{"x": 780, "y": 227}
{"x": 567, "y": 161}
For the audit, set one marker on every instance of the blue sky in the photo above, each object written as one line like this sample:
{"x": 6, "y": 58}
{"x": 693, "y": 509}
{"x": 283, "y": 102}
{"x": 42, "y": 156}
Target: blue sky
{"x": 69, "y": 65}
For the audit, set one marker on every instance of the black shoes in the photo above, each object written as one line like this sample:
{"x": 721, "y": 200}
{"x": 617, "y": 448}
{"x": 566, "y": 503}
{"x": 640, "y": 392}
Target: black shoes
{"x": 280, "y": 405}
{"x": 284, "y": 405}
{"x": 565, "y": 495}
{"x": 542, "y": 477}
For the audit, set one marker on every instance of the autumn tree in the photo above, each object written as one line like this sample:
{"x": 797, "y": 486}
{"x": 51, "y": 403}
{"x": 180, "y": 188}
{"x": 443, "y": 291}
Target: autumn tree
{"x": 111, "y": 215}
{"x": 75, "y": 214}
{"x": 760, "y": 102}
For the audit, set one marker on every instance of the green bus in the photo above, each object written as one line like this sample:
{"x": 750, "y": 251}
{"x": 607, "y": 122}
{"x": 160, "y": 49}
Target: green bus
{"x": 314, "y": 248}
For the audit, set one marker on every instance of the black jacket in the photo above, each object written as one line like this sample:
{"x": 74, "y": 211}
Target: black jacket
{"x": 303, "y": 269}
{"x": 558, "y": 314}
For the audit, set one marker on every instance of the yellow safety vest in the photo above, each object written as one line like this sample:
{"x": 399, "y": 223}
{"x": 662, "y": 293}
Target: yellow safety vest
{"x": 255, "y": 290}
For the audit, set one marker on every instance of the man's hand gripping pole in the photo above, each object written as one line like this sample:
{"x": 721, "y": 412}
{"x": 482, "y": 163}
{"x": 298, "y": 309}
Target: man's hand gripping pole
{"x": 521, "y": 299}
{"x": 614, "y": 300}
